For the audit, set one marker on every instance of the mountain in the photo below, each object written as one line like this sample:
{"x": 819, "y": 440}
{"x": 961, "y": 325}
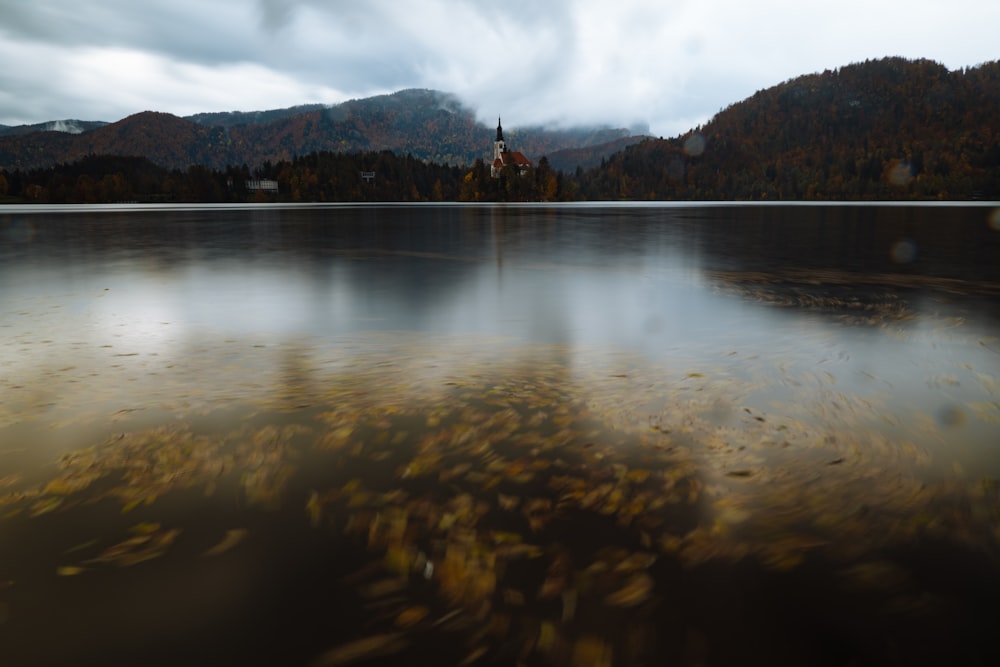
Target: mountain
{"x": 430, "y": 125}
{"x": 236, "y": 118}
{"x": 163, "y": 138}
{"x": 883, "y": 129}
{"x": 69, "y": 126}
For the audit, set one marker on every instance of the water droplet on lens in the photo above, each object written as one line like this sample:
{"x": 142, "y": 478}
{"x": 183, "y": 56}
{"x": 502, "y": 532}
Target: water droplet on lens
{"x": 951, "y": 416}
{"x": 21, "y": 232}
{"x": 994, "y": 219}
{"x": 901, "y": 173}
{"x": 903, "y": 251}
{"x": 694, "y": 145}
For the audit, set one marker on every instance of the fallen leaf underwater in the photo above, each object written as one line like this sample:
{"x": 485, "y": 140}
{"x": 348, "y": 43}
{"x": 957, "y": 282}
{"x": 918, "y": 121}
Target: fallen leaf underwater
{"x": 543, "y": 504}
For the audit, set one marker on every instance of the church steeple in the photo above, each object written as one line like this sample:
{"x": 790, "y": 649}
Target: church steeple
{"x": 499, "y": 146}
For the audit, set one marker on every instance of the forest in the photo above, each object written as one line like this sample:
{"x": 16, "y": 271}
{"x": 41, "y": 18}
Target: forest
{"x": 889, "y": 129}
{"x": 317, "y": 177}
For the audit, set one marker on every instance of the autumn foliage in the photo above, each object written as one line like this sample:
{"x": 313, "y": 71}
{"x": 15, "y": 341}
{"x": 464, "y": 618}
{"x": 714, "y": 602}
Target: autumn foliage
{"x": 885, "y": 129}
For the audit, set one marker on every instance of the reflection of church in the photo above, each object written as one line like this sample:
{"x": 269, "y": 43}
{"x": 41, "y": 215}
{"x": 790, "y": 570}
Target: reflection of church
{"x": 502, "y": 157}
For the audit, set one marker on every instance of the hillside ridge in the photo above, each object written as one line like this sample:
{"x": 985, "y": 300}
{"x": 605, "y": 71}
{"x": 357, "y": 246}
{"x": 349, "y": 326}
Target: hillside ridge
{"x": 430, "y": 125}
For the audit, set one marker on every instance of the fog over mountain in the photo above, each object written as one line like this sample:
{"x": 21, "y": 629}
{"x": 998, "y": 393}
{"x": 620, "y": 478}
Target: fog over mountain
{"x": 559, "y": 63}
{"x": 430, "y": 125}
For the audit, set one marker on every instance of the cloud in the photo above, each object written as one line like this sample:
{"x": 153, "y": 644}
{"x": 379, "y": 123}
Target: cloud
{"x": 276, "y": 14}
{"x": 134, "y": 81}
{"x": 671, "y": 65}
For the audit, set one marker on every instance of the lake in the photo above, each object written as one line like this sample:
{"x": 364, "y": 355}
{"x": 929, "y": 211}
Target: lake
{"x": 586, "y": 434}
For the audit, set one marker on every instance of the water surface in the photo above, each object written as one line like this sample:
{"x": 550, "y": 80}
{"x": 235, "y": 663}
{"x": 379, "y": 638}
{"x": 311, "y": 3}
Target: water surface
{"x": 749, "y": 433}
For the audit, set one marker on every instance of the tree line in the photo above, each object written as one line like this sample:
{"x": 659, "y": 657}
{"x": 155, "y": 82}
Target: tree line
{"x": 316, "y": 177}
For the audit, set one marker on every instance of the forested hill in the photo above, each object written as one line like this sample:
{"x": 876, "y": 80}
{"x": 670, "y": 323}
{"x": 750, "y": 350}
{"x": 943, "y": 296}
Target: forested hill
{"x": 429, "y": 125}
{"x": 884, "y": 129}
{"x": 68, "y": 126}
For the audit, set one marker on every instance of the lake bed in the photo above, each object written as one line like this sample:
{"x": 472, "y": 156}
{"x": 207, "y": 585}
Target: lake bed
{"x": 585, "y": 434}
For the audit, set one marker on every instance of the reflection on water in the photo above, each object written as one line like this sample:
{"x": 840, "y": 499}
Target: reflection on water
{"x": 485, "y": 431}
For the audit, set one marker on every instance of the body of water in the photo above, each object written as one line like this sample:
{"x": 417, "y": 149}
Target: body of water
{"x": 555, "y": 435}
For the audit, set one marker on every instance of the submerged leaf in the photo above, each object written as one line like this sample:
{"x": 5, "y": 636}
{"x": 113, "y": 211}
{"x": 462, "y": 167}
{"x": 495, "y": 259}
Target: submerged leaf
{"x": 145, "y": 528}
{"x": 314, "y": 508}
{"x": 232, "y": 538}
{"x": 362, "y": 649}
{"x": 45, "y": 506}
{"x": 411, "y": 616}
{"x": 636, "y": 591}
{"x": 591, "y": 651}
{"x": 474, "y": 655}
{"x": 383, "y": 587}
{"x": 82, "y": 546}
{"x": 69, "y": 484}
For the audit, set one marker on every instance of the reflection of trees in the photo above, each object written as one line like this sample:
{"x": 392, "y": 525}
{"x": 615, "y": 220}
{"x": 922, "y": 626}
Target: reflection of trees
{"x": 839, "y": 294}
{"x": 947, "y": 242}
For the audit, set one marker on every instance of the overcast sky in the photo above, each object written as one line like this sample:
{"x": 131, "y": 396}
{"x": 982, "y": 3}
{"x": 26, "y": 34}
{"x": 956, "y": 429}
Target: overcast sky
{"x": 668, "y": 64}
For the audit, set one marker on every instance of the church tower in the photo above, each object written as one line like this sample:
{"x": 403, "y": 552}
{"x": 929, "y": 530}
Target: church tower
{"x": 499, "y": 146}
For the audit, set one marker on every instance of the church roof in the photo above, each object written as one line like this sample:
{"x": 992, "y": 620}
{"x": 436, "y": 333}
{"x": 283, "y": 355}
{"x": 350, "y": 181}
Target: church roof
{"x": 511, "y": 158}
{"x": 516, "y": 157}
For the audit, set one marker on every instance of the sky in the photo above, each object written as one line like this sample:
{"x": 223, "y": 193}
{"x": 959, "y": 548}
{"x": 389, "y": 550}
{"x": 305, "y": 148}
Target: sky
{"x": 658, "y": 66}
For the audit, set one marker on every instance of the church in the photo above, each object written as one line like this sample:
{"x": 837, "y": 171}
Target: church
{"x": 503, "y": 157}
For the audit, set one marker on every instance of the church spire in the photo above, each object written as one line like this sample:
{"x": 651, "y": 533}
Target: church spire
{"x": 499, "y": 130}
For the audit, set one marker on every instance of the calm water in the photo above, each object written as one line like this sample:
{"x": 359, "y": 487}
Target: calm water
{"x": 715, "y": 434}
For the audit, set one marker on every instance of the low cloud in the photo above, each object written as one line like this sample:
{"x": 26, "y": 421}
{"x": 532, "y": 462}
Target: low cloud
{"x": 559, "y": 62}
